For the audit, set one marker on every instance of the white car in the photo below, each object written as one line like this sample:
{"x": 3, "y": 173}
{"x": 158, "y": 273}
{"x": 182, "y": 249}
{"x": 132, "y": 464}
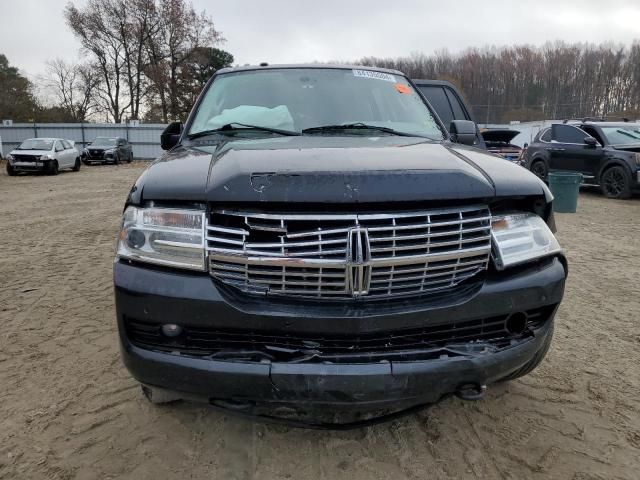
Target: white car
{"x": 43, "y": 155}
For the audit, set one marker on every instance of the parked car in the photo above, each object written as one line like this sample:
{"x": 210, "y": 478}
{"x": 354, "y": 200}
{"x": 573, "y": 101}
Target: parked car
{"x": 43, "y": 155}
{"x": 498, "y": 141}
{"x": 108, "y": 150}
{"x": 448, "y": 104}
{"x": 606, "y": 153}
{"x": 314, "y": 238}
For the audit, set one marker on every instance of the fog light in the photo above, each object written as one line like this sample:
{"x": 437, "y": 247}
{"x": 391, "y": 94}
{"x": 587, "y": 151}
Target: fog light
{"x": 135, "y": 238}
{"x": 171, "y": 330}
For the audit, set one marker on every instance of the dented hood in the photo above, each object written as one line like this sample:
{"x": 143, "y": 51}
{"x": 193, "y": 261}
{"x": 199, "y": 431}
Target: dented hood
{"x": 332, "y": 170}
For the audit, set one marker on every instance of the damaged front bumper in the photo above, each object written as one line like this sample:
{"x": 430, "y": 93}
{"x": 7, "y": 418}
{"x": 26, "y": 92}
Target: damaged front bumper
{"x": 31, "y": 166}
{"x": 325, "y": 373}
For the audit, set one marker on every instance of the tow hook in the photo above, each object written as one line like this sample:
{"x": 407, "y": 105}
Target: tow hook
{"x": 471, "y": 391}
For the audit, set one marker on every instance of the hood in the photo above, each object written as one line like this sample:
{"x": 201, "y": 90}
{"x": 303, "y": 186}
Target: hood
{"x": 628, "y": 147}
{"x": 35, "y": 153}
{"x": 499, "y": 135}
{"x": 314, "y": 169}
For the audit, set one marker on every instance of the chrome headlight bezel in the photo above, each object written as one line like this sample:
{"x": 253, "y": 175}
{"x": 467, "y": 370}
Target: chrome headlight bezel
{"x": 520, "y": 237}
{"x": 172, "y": 237}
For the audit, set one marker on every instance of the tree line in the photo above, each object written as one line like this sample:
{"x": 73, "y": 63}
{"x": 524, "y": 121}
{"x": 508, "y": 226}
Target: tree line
{"x": 555, "y": 81}
{"x": 149, "y": 59}
{"x": 140, "y": 59}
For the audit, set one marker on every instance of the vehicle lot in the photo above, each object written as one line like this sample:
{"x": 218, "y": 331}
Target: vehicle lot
{"x": 68, "y": 408}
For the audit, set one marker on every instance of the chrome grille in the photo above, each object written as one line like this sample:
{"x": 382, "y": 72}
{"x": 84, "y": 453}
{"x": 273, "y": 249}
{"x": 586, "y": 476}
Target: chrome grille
{"x": 348, "y": 255}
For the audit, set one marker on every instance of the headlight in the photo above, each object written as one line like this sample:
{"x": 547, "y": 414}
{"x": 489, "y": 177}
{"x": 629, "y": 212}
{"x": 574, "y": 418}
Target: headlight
{"x": 46, "y": 157}
{"x": 9, "y": 157}
{"x": 519, "y": 238}
{"x": 163, "y": 236}
{"x": 637, "y": 158}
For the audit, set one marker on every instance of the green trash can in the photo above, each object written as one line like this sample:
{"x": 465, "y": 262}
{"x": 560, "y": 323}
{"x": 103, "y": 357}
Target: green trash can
{"x": 565, "y": 187}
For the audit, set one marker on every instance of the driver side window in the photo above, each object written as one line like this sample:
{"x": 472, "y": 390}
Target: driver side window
{"x": 568, "y": 134}
{"x": 58, "y": 146}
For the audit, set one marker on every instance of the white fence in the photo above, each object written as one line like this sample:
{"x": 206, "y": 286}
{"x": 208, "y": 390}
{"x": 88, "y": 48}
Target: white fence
{"x": 144, "y": 138}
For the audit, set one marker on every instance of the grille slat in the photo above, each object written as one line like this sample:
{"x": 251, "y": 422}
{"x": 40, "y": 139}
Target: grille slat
{"x": 428, "y": 235}
{"x": 348, "y": 255}
{"x": 397, "y": 277}
{"x": 396, "y": 248}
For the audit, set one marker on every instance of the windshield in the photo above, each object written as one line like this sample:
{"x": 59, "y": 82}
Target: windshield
{"x": 622, "y": 135}
{"x": 104, "y": 142}
{"x": 302, "y": 98}
{"x": 36, "y": 144}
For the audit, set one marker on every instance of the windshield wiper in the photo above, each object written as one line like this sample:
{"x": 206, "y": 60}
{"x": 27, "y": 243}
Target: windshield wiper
{"x": 628, "y": 134}
{"x": 358, "y": 126}
{"x": 233, "y": 127}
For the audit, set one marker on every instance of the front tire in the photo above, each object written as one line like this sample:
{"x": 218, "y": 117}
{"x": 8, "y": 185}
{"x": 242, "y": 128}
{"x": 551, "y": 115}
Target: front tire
{"x": 130, "y": 157}
{"x": 10, "y": 170}
{"x": 116, "y": 159}
{"x": 53, "y": 168}
{"x": 615, "y": 183}
{"x": 539, "y": 169}
{"x": 76, "y": 166}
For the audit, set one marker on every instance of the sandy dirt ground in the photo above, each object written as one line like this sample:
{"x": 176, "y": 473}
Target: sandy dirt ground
{"x": 68, "y": 408}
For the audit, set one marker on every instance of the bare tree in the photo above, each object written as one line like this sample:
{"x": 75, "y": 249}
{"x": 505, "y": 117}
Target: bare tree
{"x": 134, "y": 19}
{"x": 97, "y": 30}
{"x": 142, "y": 50}
{"x": 558, "y": 80}
{"x": 177, "y": 34}
{"x": 113, "y": 33}
{"x": 74, "y": 87}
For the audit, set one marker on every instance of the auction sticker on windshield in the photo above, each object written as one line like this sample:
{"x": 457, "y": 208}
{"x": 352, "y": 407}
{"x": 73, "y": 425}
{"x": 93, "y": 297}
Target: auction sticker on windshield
{"x": 376, "y": 75}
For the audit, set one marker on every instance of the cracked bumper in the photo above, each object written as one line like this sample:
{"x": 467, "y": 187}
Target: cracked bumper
{"x": 171, "y": 297}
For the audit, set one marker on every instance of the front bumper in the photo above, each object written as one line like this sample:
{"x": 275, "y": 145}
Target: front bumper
{"x": 191, "y": 299}
{"x": 98, "y": 157}
{"x": 32, "y": 166}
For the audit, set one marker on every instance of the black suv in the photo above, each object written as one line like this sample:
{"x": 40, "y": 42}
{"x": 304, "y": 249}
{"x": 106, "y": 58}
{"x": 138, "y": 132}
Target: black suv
{"x": 448, "y": 104}
{"x": 108, "y": 150}
{"x": 314, "y": 239}
{"x": 606, "y": 153}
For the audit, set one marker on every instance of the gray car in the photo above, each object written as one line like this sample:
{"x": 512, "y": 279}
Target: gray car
{"x": 108, "y": 150}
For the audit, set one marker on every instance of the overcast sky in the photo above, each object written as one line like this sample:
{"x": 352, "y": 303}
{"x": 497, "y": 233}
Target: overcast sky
{"x": 286, "y": 31}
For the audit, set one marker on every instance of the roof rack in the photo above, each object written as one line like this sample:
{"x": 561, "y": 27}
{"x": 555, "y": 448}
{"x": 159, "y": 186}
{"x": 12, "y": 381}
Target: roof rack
{"x": 604, "y": 119}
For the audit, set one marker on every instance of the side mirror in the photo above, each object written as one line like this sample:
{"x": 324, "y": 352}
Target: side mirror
{"x": 526, "y": 145}
{"x": 171, "y": 135}
{"x": 591, "y": 142}
{"x": 463, "y": 131}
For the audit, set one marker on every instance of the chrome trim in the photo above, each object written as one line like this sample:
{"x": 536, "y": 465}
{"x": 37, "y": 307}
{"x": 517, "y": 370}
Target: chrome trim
{"x": 346, "y": 216}
{"x": 372, "y": 255}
